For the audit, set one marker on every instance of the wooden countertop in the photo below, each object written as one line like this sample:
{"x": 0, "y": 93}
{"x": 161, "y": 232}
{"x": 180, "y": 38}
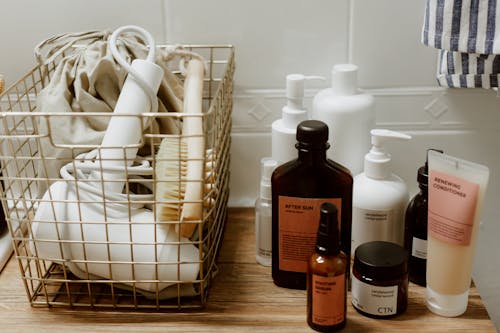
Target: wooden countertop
{"x": 242, "y": 298}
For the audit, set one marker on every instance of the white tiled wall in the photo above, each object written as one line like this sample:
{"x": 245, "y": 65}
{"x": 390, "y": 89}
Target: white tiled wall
{"x": 24, "y": 23}
{"x": 273, "y": 38}
{"x": 385, "y": 43}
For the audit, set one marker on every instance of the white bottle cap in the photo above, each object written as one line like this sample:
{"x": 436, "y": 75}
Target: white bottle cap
{"x": 446, "y": 305}
{"x": 267, "y": 166}
{"x": 377, "y": 161}
{"x": 345, "y": 79}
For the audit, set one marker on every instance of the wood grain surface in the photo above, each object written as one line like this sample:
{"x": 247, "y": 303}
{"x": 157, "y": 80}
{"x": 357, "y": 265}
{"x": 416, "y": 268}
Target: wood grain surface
{"x": 242, "y": 298}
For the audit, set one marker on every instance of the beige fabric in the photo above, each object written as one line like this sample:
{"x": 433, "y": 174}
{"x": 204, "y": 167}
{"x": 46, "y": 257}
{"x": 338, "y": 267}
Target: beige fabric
{"x": 89, "y": 80}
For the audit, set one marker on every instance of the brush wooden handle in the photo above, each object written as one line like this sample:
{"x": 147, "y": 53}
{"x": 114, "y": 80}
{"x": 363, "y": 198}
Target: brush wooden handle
{"x": 192, "y": 131}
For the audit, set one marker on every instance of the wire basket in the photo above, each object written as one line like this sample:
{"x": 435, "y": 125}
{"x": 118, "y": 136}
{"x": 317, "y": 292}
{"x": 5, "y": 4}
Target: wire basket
{"x": 98, "y": 269}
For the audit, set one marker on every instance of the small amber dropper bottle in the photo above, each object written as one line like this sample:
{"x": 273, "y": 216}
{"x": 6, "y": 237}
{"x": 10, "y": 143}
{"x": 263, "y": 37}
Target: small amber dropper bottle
{"x": 326, "y": 276}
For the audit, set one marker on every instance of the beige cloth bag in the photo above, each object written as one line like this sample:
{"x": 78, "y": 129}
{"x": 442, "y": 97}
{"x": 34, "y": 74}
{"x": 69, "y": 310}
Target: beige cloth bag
{"x": 88, "y": 79}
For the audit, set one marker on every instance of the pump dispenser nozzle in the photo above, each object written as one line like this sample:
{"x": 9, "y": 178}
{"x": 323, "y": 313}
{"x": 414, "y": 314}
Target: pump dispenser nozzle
{"x": 377, "y": 161}
{"x": 294, "y": 112}
{"x": 295, "y": 89}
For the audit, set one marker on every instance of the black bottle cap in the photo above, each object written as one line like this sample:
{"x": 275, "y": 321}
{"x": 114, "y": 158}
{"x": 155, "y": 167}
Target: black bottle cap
{"x": 423, "y": 171}
{"x": 312, "y": 134}
{"x": 381, "y": 260}
{"x": 327, "y": 241}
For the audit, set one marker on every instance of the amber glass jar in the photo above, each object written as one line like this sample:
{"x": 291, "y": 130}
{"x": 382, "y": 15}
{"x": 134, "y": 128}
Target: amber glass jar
{"x": 379, "y": 286}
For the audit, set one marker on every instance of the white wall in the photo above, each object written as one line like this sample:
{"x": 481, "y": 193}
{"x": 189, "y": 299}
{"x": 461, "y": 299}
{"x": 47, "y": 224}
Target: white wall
{"x": 274, "y": 38}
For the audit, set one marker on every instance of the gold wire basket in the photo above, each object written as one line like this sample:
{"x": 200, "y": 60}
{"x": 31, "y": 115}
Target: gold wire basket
{"x": 50, "y": 281}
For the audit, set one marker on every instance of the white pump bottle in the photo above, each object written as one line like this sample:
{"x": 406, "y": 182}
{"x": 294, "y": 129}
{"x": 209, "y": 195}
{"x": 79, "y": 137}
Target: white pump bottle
{"x": 294, "y": 112}
{"x": 349, "y": 115}
{"x": 379, "y": 196}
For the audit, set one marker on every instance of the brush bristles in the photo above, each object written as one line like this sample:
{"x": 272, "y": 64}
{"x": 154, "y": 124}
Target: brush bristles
{"x": 2, "y": 83}
{"x": 171, "y": 178}
{"x": 171, "y": 166}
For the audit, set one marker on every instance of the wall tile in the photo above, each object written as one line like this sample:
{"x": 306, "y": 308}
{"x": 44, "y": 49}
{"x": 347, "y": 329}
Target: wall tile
{"x": 246, "y": 152}
{"x": 255, "y": 110}
{"x": 24, "y": 23}
{"x": 464, "y": 123}
{"x": 386, "y": 44}
{"x": 271, "y": 38}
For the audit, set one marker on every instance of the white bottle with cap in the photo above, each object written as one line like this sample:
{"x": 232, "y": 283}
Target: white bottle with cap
{"x": 349, "y": 115}
{"x": 263, "y": 214}
{"x": 294, "y": 112}
{"x": 379, "y": 196}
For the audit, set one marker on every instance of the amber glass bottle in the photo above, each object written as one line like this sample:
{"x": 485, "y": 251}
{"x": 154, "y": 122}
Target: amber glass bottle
{"x": 299, "y": 188}
{"x": 326, "y": 276}
{"x": 416, "y": 228}
{"x": 416, "y": 232}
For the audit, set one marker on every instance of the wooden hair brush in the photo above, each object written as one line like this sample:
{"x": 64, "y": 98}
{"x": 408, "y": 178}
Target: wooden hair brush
{"x": 179, "y": 169}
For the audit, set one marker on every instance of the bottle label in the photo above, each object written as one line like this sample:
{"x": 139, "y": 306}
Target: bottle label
{"x": 375, "y": 300}
{"x": 369, "y": 225}
{"x": 328, "y": 299}
{"x": 452, "y": 205}
{"x": 298, "y": 221}
{"x": 419, "y": 248}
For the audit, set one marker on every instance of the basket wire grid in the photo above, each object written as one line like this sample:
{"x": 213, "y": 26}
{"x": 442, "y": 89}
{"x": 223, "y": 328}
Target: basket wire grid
{"x": 47, "y": 279}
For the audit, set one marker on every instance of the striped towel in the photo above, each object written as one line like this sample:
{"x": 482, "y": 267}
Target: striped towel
{"x": 467, "y": 33}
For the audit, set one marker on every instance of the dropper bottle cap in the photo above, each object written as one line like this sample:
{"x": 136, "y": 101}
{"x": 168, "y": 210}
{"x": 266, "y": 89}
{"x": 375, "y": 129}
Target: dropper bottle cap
{"x": 327, "y": 241}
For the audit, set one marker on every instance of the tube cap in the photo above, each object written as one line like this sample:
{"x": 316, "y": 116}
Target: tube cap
{"x": 446, "y": 305}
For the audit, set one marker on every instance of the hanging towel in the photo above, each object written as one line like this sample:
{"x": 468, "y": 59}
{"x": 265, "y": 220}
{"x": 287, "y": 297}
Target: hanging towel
{"x": 467, "y": 33}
